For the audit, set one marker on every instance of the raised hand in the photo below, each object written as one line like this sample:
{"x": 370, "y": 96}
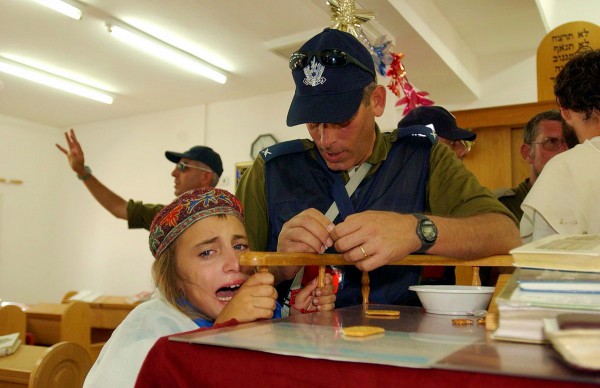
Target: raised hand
{"x": 73, "y": 152}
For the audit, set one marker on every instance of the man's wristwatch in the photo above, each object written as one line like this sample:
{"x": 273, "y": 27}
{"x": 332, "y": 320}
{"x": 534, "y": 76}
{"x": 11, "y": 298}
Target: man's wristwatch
{"x": 88, "y": 173}
{"x": 426, "y": 231}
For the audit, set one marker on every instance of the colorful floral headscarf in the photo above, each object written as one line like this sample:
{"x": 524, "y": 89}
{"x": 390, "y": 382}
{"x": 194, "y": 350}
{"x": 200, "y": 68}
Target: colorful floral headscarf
{"x": 188, "y": 208}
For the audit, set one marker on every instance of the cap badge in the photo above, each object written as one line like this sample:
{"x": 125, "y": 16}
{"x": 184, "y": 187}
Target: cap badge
{"x": 314, "y": 73}
{"x": 433, "y": 132}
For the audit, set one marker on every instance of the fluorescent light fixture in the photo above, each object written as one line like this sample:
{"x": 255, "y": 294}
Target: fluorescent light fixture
{"x": 42, "y": 77}
{"x": 64, "y": 7}
{"x": 166, "y": 52}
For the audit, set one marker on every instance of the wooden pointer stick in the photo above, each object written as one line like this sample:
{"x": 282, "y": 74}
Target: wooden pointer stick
{"x": 321, "y": 278}
{"x": 365, "y": 287}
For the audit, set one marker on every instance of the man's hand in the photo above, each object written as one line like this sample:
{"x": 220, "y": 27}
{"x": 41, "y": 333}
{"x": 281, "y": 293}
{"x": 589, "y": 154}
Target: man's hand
{"x": 372, "y": 239}
{"x": 256, "y": 299}
{"x": 306, "y": 232}
{"x": 74, "y": 153}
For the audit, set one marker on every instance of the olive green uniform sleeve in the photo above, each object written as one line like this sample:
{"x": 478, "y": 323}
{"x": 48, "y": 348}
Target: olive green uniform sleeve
{"x": 453, "y": 191}
{"x": 513, "y": 202}
{"x": 140, "y": 215}
{"x": 251, "y": 192}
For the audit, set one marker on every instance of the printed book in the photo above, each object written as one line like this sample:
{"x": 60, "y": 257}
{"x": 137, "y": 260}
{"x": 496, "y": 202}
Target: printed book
{"x": 558, "y": 281}
{"x": 9, "y": 343}
{"x": 521, "y": 314}
{"x": 570, "y": 252}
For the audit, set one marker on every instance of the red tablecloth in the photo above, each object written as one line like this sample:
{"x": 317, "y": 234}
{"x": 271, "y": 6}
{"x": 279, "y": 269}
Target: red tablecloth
{"x": 177, "y": 364}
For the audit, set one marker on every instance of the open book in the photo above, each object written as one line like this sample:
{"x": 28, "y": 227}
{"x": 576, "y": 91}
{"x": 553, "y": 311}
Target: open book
{"x": 571, "y": 252}
{"x": 9, "y": 343}
{"x": 86, "y": 296}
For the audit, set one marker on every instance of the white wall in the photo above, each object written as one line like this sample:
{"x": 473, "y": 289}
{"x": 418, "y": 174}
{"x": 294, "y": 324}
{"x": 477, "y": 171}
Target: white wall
{"x": 54, "y": 237}
{"x": 29, "y": 256}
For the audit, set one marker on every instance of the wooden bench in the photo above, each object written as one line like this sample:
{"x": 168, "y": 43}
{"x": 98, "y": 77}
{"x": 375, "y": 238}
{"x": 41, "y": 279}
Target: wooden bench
{"x": 106, "y": 313}
{"x": 51, "y": 323}
{"x": 62, "y": 365}
{"x": 12, "y": 320}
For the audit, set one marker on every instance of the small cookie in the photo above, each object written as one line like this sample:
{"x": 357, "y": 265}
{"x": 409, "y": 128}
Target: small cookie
{"x": 462, "y": 322}
{"x": 387, "y": 313}
{"x": 362, "y": 331}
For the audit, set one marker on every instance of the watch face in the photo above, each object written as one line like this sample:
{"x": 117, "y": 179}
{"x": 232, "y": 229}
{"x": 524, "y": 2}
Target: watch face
{"x": 429, "y": 230}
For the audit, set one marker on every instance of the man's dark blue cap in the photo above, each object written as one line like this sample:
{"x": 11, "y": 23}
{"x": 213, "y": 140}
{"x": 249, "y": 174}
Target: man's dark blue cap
{"x": 330, "y": 94}
{"x": 444, "y": 123}
{"x": 200, "y": 154}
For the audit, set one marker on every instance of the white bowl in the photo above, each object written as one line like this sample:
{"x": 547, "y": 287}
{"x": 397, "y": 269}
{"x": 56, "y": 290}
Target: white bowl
{"x": 454, "y": 300}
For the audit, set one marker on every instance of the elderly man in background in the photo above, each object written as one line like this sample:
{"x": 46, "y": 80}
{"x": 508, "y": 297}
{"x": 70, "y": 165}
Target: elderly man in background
{"x": 545, "y": 136}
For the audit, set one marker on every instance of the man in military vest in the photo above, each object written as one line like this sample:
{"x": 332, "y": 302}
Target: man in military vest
{"x": 415, "y": 196}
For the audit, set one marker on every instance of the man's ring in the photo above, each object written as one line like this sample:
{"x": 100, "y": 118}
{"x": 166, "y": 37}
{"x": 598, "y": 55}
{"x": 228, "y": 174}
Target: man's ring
{"x": 363, "y": 251}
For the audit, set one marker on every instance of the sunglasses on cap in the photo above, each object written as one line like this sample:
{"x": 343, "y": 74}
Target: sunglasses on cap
{"x": 467, "y": 144}
{"x": 551, "y": 143}
{"x": 328, "y": 57}
{"x": 181, "y": 166}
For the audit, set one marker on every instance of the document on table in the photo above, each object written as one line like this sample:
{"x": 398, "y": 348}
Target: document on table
{"x": 413, "y": 350}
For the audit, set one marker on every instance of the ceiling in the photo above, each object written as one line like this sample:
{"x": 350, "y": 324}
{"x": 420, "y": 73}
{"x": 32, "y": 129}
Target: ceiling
{"x": 444, "y": 43}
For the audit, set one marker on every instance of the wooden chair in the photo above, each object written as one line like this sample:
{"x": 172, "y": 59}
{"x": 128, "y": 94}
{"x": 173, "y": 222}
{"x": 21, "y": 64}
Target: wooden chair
{"x": 12, "y": 320}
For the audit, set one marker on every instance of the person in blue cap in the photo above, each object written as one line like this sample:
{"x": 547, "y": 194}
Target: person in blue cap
{"x": 195, "y": 168}
{"x": 415, "y": 196}
{"x": 444, "y": 125}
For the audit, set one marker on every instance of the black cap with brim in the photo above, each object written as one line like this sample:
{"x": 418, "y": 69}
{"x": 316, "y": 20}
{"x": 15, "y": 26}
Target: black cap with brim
{"x": 200, "y": 154}
{"x": 330, "y": 94}
{"x": 443, "y": 122}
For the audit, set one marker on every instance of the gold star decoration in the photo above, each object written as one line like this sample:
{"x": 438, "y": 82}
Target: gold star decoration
{"x": 345, "y": 17}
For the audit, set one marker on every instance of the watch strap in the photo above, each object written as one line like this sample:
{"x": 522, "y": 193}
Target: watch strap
{"x": 425, "y": 244}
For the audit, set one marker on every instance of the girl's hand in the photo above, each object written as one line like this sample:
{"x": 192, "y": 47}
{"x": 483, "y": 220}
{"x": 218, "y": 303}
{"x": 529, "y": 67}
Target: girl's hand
{"x": 311, "y": 299}
{"x": 256, "y": 299}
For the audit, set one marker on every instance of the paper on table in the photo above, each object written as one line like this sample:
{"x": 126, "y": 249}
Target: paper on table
{"x": 392, "y": 348}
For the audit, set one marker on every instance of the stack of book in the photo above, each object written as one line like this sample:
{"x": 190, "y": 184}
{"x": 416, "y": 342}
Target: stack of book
{"x": 559, "y": 274}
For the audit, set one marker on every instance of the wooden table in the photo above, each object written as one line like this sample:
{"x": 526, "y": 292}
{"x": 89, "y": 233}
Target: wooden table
{"x": 276, "y": 360}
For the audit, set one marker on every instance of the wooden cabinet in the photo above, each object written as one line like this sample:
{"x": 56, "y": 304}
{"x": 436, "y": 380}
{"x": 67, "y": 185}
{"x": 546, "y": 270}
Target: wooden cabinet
{"x": 496, "y": 158}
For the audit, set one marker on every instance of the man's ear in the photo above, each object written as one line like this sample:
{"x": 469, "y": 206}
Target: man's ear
{"x": 378, "y": 100}
{"x": 526, "y": 153}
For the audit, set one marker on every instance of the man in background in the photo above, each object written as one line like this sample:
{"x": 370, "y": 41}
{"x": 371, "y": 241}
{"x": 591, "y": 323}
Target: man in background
{"x": 198, "y": 167}
{"x": 545, "y": 136}
{"x": 444, "y": 125}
